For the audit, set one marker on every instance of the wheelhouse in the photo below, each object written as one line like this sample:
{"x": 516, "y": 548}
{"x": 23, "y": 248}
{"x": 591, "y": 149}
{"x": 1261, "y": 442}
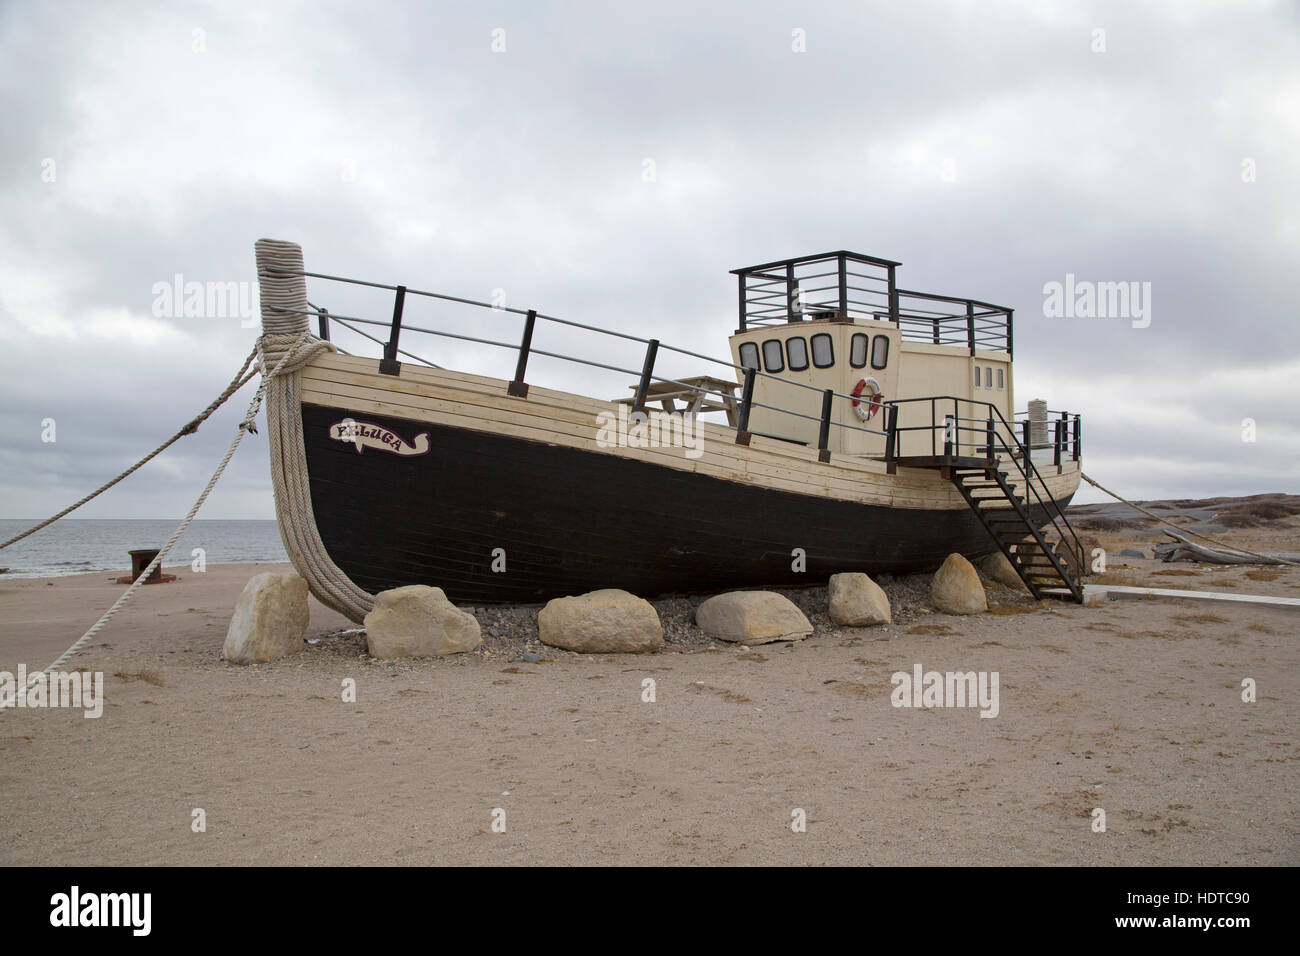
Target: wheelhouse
{"x": 839, "y": 321}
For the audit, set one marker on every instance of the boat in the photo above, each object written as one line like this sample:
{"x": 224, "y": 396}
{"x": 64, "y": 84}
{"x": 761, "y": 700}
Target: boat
{"x": 854, "y": 426}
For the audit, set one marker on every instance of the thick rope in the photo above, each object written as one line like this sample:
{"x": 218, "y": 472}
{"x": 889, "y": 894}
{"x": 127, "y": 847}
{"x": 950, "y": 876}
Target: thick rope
{"x": 290, "y": 356}
{"x": 238, "y": 382}
{"x": 1268, "y": 558}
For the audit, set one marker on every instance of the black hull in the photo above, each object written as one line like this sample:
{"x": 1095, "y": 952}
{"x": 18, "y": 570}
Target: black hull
{"x": 571, "y": 521}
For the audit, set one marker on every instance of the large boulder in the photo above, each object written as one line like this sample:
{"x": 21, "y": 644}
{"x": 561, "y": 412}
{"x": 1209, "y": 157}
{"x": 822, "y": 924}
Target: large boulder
{"x": 418, "y": 621}
{"x": 752, "y": 617}
{"x": 996, "y": 567}
{"x": 956, "y": 588}
{"x": 609, "y": 621}
{"x": 857, "y": 601}
{"x": 270, "y": 619}
{"x": 1089, "y": 544}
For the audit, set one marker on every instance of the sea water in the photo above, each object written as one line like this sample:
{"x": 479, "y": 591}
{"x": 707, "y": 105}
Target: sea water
{"x": 82, "y": 545}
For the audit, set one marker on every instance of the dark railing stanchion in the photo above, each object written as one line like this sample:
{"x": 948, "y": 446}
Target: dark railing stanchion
{"x": 893, "y": 297}
{"x": 647, "y": 373}
{"x": 844, "y": 288}
{"x": 891, "y": 439}
{"x": 389, "y": 365}
{"x": 1077, "y": 428}
{"x": 323, "y": 323}
{"x": 792, "y": 313}
{"x": 824, "y": 432}
{"x": 746, "y": 402}
{"x": 933, "y": 413}
{"x": 988, "y": 439}
{"x": 1056, "y": 444}
{"x": 970, "y": 325}
{"x": 518, "y": 387}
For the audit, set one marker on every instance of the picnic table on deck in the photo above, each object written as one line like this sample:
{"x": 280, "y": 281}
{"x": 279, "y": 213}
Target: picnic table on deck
{"x": 695, "y": 392}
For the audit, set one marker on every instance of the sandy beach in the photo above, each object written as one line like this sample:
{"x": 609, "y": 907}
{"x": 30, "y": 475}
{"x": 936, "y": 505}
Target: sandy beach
{"x": 1134, "y": 707}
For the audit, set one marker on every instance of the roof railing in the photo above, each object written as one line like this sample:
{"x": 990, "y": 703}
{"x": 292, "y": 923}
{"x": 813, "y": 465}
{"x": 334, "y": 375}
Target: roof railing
{"x": 846, "y": 286}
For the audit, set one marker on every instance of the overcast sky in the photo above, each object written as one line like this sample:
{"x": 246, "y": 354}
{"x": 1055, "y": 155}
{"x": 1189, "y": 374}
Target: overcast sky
{"x": 611, "y": 163}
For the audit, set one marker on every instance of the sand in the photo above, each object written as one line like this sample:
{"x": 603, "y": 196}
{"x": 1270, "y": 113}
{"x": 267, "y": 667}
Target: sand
{"x": 1132, "y": 707}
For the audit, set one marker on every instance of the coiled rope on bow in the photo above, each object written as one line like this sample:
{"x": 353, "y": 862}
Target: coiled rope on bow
{"x": 284, "y": 302}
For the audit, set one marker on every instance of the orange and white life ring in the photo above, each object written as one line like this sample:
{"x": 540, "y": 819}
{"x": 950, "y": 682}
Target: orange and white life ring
{"x": 866, "y": 404}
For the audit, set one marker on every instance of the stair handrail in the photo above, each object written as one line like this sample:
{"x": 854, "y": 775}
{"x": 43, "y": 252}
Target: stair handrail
{"x": 1019, "y": 455}
{"x": 1030, "y": 472}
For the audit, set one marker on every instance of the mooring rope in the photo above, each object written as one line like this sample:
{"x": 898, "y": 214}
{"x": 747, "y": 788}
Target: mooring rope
{"x": 1269, "y": 558}
{"x": 294, "y": 356}
{"x": 238, "y": 382}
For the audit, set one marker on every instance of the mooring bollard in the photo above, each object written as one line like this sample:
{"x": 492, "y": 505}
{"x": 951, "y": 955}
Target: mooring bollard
{"x": 140, "y": 560}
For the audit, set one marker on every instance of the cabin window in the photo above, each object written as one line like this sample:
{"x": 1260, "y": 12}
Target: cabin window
{"x": 880, "y": 351}
{"x": 1000, "y": 379}
{"x": 823, "y": 351}
{"x": 988, "y": 376}
{"x": 748, "y": 355}
{"x": 796, "y": 353}
{"x": 977, "y": 376}
{"x": 858, "y": 350}
{"x": 772, "y": 356}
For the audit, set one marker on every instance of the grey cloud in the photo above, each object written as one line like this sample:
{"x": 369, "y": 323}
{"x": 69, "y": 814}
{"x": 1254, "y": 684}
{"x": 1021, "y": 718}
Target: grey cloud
{"x": 522, "y": 171}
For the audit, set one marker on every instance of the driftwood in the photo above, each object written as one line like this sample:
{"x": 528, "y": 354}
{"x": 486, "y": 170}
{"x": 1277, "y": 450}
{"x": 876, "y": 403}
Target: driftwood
{"x": 1182, "y": 549}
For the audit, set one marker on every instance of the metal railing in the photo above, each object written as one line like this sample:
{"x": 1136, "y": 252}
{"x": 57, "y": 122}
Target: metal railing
{"x": 1064, "y": 434}
{"x": 945, "y": 320}
{"x": 994, "y": 439}
{"x": 843, "y": 286}
{"x": 525, "y": 348}
{"x": 839, "y": 285}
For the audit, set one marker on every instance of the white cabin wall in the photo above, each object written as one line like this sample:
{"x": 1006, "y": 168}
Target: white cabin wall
{"x": 913, "y": 370}
{"x": 786, "y": 394}
{"x": 840, "y": 377}
{"x": 1000, "y": 397}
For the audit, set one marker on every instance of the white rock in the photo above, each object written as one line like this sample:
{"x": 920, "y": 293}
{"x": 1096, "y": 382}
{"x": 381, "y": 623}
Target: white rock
{"x": 956, "y": 588}
{"x": 997, "y": 568}
{"x": 270, "y": 619}
{"x": 609, "y": 621}
{"x": 752, "y": 617}
{"x": 418, "y": 621}
{"x": 856, "y": 600}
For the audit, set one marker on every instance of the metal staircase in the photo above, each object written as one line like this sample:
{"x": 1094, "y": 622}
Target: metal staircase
{"x": 1039, "y": 563}
{"x": 971, "y": 449}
